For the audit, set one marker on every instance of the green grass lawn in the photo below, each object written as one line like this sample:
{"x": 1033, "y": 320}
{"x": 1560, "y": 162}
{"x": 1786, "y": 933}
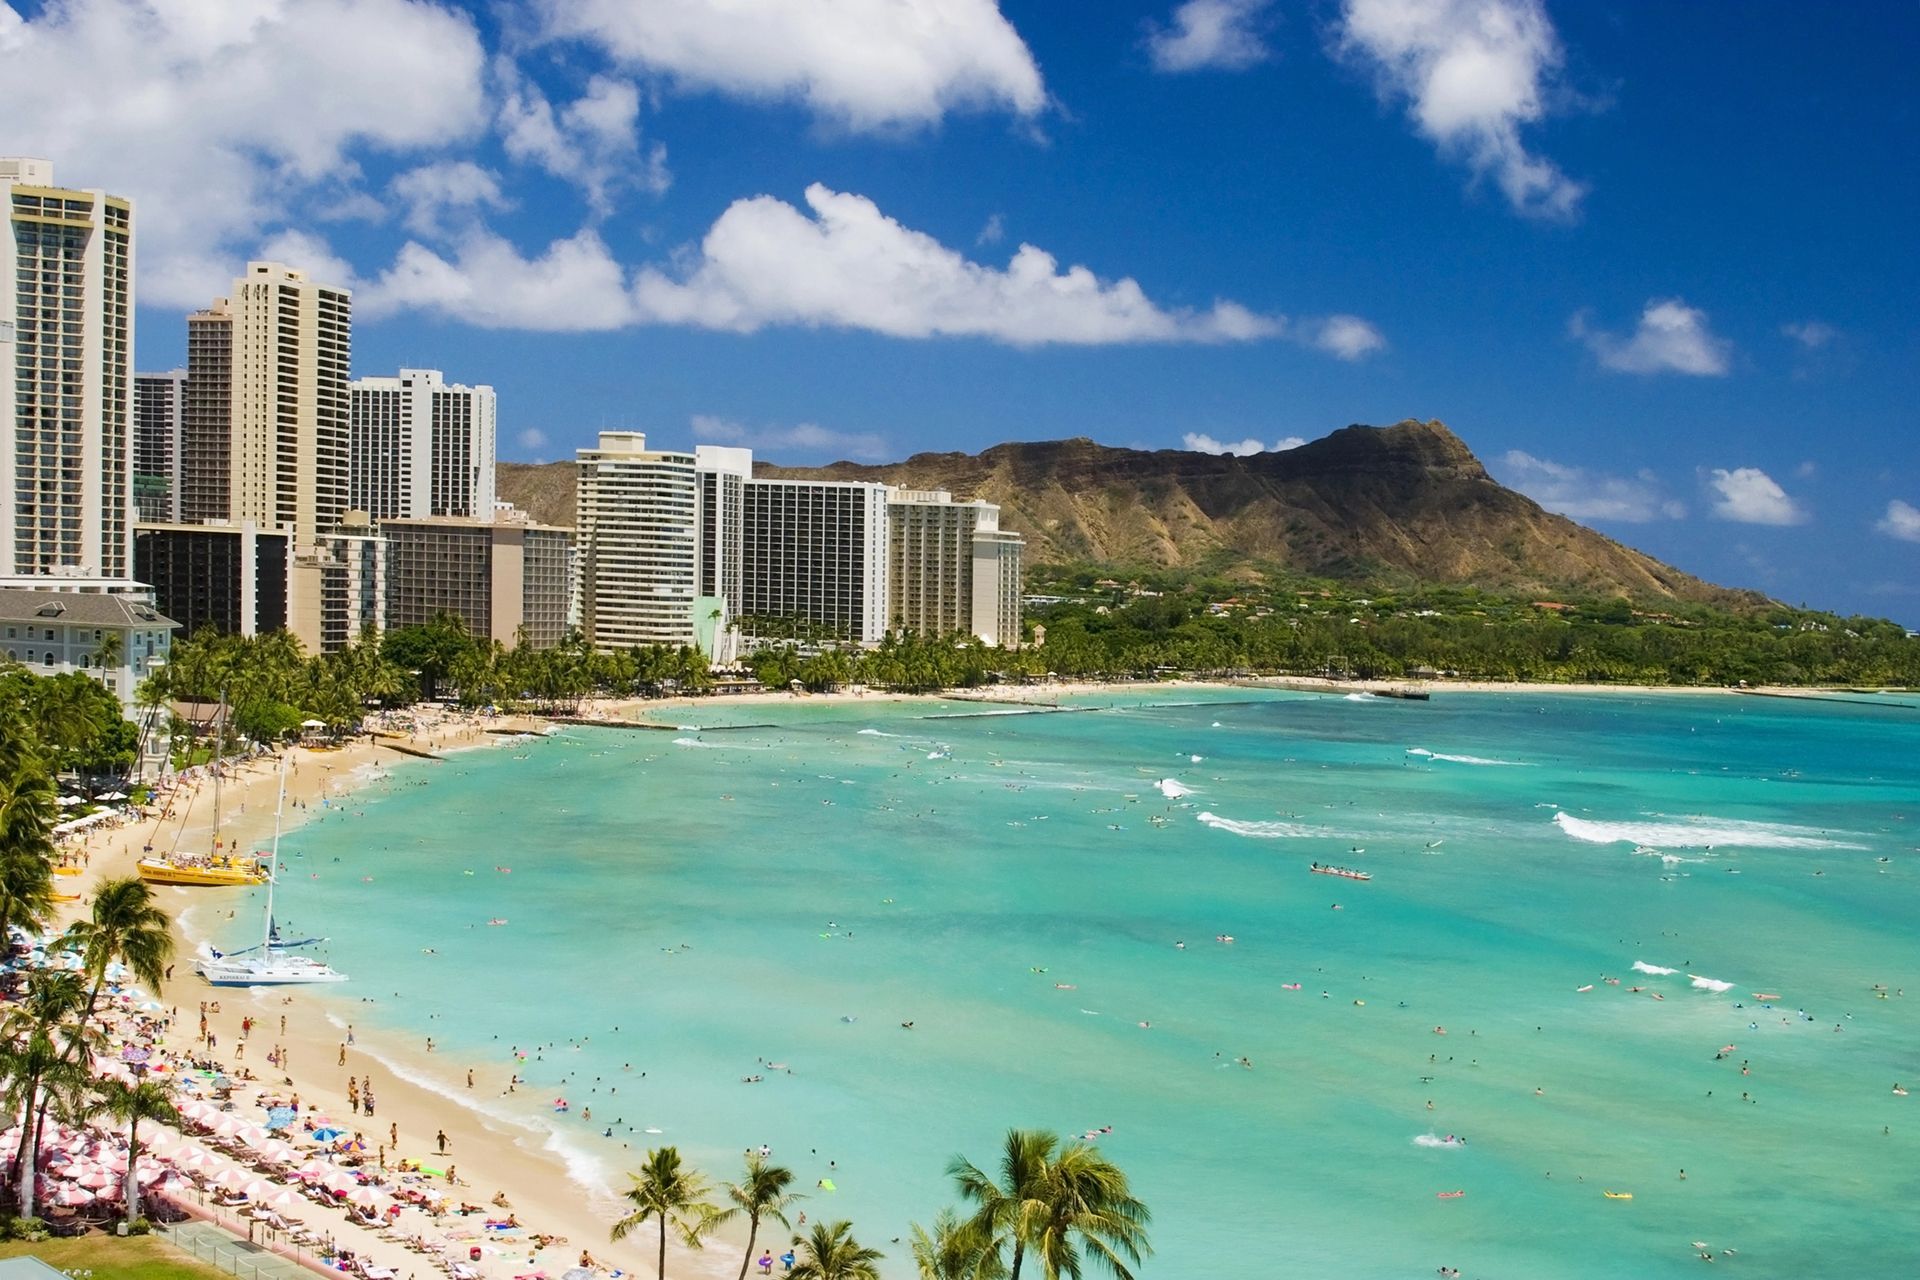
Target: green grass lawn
{"x": 107, "y": 1257}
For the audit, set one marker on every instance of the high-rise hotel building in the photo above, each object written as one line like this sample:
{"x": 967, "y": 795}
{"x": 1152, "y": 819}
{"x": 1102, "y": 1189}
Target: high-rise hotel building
{"x": 814, "y": 561}
{"x": 639, "y": 543}
{"x": 159, "y": 412}
{"x": 952, "y": 568}
{"x": 66, "y": 378}
{"x": 421, "y": 448}
{"x": 275, "y": 355}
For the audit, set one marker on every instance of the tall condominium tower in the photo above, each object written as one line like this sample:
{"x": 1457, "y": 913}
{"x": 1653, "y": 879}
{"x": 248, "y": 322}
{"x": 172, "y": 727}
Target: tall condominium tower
{"x": 159, "y": 407}
{"x": 66, "y": 377}
{"x": 206, "y": 417}
{"x": 814, "y": 561}
{"x": 639, "y": 543}
{"x": 952, "y": 569}
{"x": 722, "y": 474}
{"x": 421, "y": 448}
{"x": 281, "y": 346}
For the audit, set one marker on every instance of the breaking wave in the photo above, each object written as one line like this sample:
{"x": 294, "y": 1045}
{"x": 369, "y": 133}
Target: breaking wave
{"x": 1641, "y": 966}
{"x": 1261, "y": 830}
{"x": 1700, "y": 833}
{"x": 1172, "y": 789}
{"x": 1711, "y": 984}
{"x": 1433, "y": 1140}
{"x": 1481, "y": 760}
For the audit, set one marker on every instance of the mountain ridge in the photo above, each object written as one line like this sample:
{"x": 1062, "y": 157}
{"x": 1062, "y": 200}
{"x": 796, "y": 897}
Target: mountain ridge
{"x": 1407, "y": 502}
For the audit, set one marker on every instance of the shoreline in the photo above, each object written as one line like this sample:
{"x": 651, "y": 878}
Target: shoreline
{"x": 549, "y": 1186}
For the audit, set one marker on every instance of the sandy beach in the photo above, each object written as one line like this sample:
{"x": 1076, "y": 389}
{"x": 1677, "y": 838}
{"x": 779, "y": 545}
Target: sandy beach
{"x": 489, "y": 1156}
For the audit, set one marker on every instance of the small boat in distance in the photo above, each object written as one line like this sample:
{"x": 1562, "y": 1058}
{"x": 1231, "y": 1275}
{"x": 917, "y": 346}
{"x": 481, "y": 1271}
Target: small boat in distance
{"x": 1345, "y": 873}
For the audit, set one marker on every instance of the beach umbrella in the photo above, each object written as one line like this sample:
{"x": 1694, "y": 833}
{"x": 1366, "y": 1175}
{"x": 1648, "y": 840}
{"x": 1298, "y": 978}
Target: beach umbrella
{"x": 72, "y": 1197}
{"x": 275, "y": 1151}
{"x": 229, "y": 1178}
{"x": 283, "y": 1198}
{"x": 315, "y": 1169}
{"x": 253, "y": 1135}
{"x": 114, "y": 795}
{"x": 195, "y": 1158}
{"x": 367, "y": 1198}
{"x": 340, "y": 1180}
{"x": 327, "y": 1134}
{"x": 135, "y": 1053}
{"x": 200, "y": 1111}
{"x": 95, "y": 1178}
{"x": 281, "y": 1117}
{"x": 258, "y": 1188}
{"x": 69, "y": 801}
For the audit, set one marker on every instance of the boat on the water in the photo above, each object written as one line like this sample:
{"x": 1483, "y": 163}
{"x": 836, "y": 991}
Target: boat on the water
{"x": 1345, "y": 873}
{"x": 271, "y": 963}
{"x": 215, "y": 869}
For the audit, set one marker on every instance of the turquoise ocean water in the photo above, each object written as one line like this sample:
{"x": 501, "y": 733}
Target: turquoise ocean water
{"x": 1016, "y": 885}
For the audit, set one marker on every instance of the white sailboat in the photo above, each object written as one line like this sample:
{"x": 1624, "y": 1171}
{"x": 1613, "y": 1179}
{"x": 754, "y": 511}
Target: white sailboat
{"x": 269, "y": 964}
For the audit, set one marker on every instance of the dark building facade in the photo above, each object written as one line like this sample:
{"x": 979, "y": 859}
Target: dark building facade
{"x": 231, "y": 578}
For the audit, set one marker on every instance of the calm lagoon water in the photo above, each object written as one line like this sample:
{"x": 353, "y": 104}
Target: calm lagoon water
{"x": 1016, "y": 886}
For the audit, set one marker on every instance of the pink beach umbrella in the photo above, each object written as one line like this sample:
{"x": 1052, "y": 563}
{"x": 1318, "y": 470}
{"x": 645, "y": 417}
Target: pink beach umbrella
{"x": 340, "y": 1180}
{"x": 97, "y": 1178}
{"x": 367, "y": 1198}
{"x": 227, "y": 1125}
{"x": 254, "y": 1135}
{"x": 194, "y": 1158}
{"x": 72, "y": 1197}
{"x": 258, "y": 1188}
{"x": 315, "y": 1170}
{"x": 200, "y": 1112}
{"x": 229, "y": 1179}
{"x": 278, "y": 1152}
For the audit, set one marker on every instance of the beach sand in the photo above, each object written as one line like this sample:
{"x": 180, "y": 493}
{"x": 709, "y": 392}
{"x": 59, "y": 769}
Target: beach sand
{"x": 489, "y": 1155}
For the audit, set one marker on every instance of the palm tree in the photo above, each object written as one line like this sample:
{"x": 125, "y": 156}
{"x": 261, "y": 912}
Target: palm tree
{"x": 133, "y": 1103}
{"x": 761, "y": 1194}
{"x": 831, "y": 1253}
{"x": 954, "y": 1251}
{"x": 44, "y": 1049}
{"x": 666, "y": 1190}
{"x": 1055, "y": 1201}
{"x": 27, "y": 811}
{"x": 126, "y": 926}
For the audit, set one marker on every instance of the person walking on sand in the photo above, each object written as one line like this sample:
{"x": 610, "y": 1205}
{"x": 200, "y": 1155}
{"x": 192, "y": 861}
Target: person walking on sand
{"x": 441, "y": 1138}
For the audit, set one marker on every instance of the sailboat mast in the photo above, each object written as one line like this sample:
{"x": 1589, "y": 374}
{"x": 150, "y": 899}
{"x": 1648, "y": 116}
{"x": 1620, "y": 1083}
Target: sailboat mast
{"x": 273, "y": 863}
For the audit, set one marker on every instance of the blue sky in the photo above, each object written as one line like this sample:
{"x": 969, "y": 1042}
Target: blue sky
{"x": 1655, "y": 263}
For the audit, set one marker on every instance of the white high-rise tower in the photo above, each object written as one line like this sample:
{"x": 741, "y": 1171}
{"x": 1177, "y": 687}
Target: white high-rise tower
{"x": 421, "y": 448}
{"x": 66, "y": 378}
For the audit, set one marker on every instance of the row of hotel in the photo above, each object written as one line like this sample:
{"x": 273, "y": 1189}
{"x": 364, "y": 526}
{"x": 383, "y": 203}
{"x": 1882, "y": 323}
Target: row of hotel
{"x": 262, "y": 487}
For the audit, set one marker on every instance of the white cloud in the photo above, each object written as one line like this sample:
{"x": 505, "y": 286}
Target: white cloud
{"x": 532, "y": 438}
{"x": 1222, "y": 34}
{"x": 1581, "y": 494}
{"x": 806, "y": 437}
{"x": 593, "y": 142}
{"x": 1812, "y": 334}
{"x": 864, "y": 64}
{"x": 1348, "y": 337}
{"x": 1473, "y": 73}
{"x": 993, "y": 233}
{"x": 222, "y": 117}
{"x": 574, "y": 286}
{"x": 1902, "y": 521}
{"x": 1200, "y": 443}
{"x": 311, "y": 254}
{"x": 433, "y": 190}
{"x": 1748, "y": 495}
{"x": 1671, "y": 337}
{"x": 849, "y": 266}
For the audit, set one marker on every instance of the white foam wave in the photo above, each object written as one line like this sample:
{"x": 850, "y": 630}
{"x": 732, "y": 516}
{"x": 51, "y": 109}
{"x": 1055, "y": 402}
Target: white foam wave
{"x": 1641, "y": 966}
{"x": 1173, "y": 789}
{"x": 704, "y": 745}
{"x": 1261, "y": 830}
{"x": 1432, "y": 1140}
{"x": 1477, "y": 760}
{"x": 1700, "y": 833}
{"x": 1360, "y": 697}
{"x": 1710, "y": 984}
{"x": 877, "y": 733}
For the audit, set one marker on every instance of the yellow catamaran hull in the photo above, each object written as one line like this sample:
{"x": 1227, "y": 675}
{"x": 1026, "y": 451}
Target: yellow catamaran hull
{"x": 219, "y": 871}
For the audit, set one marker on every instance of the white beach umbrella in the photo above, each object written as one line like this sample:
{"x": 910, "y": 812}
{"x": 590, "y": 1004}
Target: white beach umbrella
{"x": 228, "y": 1125}
{"x": 275, "y": 1151}
{"x": 283, "y": 1198}
{"x": 254, "y": 1135}
{"x": 191, "y": 1157}
{"x": 315, "y": 1169}
{"x": 72, "y": 1197}
{"x": 200, "y": 1111}
{"x": 258, "y": 1188}
{"x": 96, "y": 1177}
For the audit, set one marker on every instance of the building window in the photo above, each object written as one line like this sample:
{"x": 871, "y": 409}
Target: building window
{"x": 49, "y": 657}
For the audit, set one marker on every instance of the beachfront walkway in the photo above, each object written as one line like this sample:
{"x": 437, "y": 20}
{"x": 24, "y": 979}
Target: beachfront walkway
{"x": 221, "y": 1248}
